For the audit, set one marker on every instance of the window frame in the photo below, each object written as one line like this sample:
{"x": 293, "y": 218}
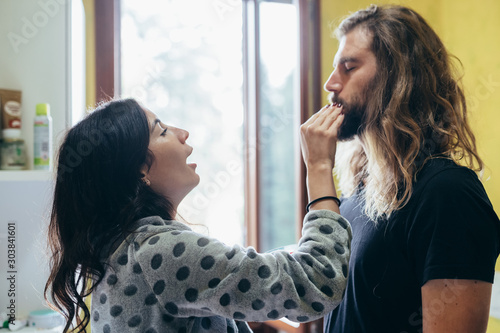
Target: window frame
{"x": 107, "y": 59}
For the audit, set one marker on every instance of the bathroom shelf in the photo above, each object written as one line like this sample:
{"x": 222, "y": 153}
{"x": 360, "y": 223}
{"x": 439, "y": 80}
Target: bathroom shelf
{"x": 26, "y": 175}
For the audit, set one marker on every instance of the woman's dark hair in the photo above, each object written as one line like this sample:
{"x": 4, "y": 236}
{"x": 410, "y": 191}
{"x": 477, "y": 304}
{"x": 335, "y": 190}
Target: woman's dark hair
{"x": 98, "y": 195}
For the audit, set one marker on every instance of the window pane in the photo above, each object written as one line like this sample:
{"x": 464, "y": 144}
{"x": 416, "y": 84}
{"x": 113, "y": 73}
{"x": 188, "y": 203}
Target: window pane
{"x": 183, "y": 60}
{"x": 278, "y": 124}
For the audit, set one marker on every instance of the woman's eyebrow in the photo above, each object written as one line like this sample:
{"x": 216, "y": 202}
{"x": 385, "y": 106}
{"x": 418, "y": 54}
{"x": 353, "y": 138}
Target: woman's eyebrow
{"x": 154, "y": 124}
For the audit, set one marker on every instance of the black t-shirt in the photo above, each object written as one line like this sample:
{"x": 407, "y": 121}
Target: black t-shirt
{"x": 448, "y": 230}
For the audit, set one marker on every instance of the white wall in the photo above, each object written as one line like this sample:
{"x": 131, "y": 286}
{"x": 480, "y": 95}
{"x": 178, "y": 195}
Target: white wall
{"x": 37, "y": 56}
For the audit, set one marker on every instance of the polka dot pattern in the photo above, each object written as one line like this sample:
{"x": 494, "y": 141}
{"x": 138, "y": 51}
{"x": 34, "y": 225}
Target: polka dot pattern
{"x": 244, "y": 285}
{"x": 239, "y": 316}
{"x": 207, "y": 262}
{"x": 290, "y": 304}
{"x": 134, "y": 321}
{"x": 150, "y": 300}
{"x": 191, "y": 295}
{"x": 230, "y": 254}
{"x": 251, "y": 254}
{"x": 202, "y": 242}
{"x": 213, "y": 283}
{"x": 258, "y": 304}
{"x": 329, "y": 272}
{"x": 137, "y": 268}
{"x": 276, "y": 288}
{"x": 115, "y": 311}
{"x": 154, "y": 240}
{"x": 130, "y": 290}
{"x": 344, "y": 270}
{"x": 313, "y": 217}
{"x": 327, "y": 291}
{"x": 264, "y": 272}
{"x": 317, "y": 306}
{"x": 301, "y": 291}
{"x": 182, "y": 273}
{"x": 167, "y": 318}
{"x": 317, "y": 251}
{"x": 179, "y": 249}
{"x": 274, "y": 314}
{"x": 172, "y": 308}
{"x": 225, "y": 300}
{"x": 339, "y": 249}
{"x": 159, "y": 287}
{"x": 112, "y": 279}
{"x": 156, "y": 261}
{"x": 342, "y": 223}
{"x": 170, "y": 270}
{"x": 308, "y": 260}
{"x": 326, "y": 229}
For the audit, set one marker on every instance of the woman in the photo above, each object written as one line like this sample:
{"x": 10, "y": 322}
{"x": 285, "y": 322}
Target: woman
{"x": 121, "y": 175}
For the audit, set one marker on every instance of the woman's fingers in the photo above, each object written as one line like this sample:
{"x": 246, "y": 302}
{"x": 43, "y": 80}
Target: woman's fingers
{"x": 319, "y": 135}
{"x": 325, "y": 117}
{"x": 314, "y": 117}
{"x": 331, "y": 116}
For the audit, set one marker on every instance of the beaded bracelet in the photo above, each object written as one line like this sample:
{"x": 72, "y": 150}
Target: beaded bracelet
{"x": 320, "y": 199}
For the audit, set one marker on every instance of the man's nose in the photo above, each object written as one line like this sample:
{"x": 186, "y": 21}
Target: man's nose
{"x": 333, "y": 84}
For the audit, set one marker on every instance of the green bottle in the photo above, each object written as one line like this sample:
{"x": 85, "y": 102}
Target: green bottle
{"x": 42, "y": 138}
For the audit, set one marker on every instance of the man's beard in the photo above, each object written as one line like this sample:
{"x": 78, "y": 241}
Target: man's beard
{"x": 354, "y": 113}
{"x": 353, "y": 120}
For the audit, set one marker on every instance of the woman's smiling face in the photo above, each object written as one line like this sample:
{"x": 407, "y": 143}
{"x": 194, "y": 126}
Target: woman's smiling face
{"x": 170, "y": 175}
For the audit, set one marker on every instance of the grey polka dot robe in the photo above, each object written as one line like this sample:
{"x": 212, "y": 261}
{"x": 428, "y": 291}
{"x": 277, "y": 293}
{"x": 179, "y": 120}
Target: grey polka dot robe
{"x": 166, "y": 278}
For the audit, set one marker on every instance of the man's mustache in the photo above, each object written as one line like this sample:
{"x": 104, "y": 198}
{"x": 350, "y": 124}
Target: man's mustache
{"x": 332, "y": 98}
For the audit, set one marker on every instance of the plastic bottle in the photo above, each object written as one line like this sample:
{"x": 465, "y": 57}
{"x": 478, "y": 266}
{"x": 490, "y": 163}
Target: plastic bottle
{"x": 13, "y": 150}
{"x": 42, "y": 138}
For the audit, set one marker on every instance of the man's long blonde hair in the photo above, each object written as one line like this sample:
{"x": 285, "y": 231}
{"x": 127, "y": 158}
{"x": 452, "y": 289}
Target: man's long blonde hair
{"x": 416, "y": 111}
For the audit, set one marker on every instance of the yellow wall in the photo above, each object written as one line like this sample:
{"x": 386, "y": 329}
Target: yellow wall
{"x": 469, "y": 29}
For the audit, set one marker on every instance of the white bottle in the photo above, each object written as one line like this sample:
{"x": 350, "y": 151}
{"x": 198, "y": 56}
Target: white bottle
{"x": 42, "y": 138}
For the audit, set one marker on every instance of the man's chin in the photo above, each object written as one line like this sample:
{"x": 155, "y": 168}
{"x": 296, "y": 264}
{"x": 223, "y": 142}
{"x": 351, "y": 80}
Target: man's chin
{"x": 348, "y": 133}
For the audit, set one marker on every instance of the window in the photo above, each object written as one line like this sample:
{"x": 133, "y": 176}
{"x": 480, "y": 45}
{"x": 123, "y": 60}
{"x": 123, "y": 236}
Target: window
{"x": 240, "y": 76}
{"x": 186, "y": 66}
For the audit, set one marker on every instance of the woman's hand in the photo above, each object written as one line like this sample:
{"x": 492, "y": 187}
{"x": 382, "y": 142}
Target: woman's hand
{"x": 318, "y": 137}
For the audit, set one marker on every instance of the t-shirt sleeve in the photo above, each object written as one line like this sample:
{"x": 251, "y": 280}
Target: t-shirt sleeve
{"x": 194, "y": 275}
{"x": 453, "y": 232}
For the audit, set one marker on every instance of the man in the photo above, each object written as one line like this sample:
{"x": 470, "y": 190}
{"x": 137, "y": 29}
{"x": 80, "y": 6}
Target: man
{"x": 425, "y": 235}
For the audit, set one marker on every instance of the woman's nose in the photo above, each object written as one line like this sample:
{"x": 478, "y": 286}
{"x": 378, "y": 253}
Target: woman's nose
{"x": 333, "y": 84}
{"x": 182, "y": 135}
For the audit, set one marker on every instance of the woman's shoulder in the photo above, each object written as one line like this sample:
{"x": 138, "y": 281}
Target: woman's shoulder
{"x": 152, "y": 226}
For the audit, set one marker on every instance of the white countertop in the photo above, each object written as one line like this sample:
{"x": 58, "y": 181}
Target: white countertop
{"x": 34, "y": 330}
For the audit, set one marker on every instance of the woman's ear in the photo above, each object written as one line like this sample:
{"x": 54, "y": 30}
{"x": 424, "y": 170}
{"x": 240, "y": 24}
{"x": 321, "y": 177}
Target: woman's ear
{"x": 144, "y": 176}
